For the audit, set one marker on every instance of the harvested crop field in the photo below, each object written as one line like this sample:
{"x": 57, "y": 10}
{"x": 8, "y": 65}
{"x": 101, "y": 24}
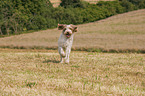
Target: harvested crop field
{"x": 120, "y": 33}
{"x": 37, "y": 72}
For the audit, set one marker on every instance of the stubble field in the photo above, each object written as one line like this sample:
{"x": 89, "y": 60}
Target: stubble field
{"x": 37, "y": 72}
{"x": 27, "y": 71}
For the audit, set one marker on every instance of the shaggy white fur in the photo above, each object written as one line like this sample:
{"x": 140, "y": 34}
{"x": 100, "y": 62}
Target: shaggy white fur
{"x": 65, "y": 41}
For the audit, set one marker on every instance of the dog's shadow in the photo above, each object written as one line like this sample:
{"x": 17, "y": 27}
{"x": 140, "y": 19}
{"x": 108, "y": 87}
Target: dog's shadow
{"x": 51, "y": 61}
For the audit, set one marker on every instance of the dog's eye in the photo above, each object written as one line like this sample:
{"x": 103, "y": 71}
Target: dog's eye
{"x": 64, "y": 29}
{"x": 70, "y": 28}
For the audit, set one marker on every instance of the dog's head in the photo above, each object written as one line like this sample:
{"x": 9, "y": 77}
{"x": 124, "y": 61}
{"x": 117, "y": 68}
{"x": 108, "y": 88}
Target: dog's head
{"x": 68, "y": 30}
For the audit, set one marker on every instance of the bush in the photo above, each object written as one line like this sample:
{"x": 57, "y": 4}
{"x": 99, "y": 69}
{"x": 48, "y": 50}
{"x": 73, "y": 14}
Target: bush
{"x": 139, "y": 3}
{"x": 128, "y": 6}
{"x": 113, "y": 7}
{"x": 73, "y": 4}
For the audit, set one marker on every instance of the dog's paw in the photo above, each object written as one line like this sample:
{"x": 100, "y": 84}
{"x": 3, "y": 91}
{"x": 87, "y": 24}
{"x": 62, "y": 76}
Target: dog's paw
{"x": 63, "y": 54}
{"x": 67, "y": 61}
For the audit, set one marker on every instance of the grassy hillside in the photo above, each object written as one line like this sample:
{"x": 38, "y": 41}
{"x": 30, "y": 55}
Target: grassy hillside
{"x": 123, "y": 32}
{"x": 34, "y": 73}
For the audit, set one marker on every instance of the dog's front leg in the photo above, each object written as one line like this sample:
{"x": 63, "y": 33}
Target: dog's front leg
{"x": 62, "y": 54}
{"x": 68, "y": 50}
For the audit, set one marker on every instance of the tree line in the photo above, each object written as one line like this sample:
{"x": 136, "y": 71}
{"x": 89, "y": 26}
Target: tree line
{"x": 18, "y": 16}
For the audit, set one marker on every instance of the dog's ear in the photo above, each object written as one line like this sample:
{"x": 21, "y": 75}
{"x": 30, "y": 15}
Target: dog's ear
{"x": 75, "y": 28}
{"x": 61, "y": 26}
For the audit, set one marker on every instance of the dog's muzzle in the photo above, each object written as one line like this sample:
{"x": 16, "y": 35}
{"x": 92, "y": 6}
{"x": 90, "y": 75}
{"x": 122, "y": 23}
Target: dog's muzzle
{"x": 67, "y": 34}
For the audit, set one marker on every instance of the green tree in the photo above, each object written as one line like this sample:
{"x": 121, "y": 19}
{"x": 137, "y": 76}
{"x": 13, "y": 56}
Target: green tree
{"x": 18, "y": 15}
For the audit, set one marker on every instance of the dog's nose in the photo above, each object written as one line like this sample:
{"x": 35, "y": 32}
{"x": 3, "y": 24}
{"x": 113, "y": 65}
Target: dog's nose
{"x": 67, "y": 32}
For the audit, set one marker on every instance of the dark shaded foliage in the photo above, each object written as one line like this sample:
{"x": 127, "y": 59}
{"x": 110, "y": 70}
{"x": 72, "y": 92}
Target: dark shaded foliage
{"x": 73, "y": 4}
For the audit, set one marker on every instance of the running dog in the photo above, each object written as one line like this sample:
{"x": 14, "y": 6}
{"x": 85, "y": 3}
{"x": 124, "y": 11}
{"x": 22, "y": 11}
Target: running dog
{"x": 65, "y": 41}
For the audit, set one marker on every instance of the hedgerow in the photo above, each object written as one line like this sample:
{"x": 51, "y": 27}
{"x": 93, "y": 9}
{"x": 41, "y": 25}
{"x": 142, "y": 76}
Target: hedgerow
{"x": 17, "y": 16}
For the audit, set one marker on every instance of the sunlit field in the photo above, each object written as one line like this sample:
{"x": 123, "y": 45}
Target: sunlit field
{"x": 29, "y": 69}
{"x": 38, "y": 72}
{"x": 107, "y": 58}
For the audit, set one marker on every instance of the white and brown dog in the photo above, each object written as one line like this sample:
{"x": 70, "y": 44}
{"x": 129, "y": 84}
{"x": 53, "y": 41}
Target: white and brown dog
{"x": 65, "y": 41}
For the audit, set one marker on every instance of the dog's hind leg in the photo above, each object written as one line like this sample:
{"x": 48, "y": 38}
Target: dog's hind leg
{"x": 68, "y": 50}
